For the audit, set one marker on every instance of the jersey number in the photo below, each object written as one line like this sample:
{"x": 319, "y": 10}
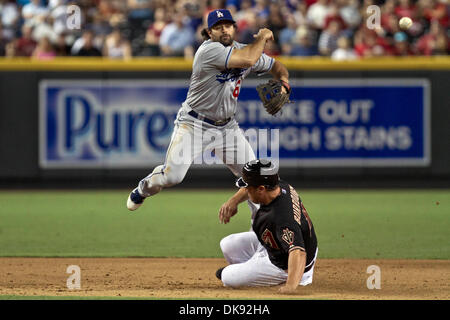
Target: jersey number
{"x": 237, "y": 89}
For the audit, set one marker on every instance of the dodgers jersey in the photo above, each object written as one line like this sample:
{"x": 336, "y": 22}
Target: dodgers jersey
{"x": 214, "y": 89}
{"x": 284, "y": 225}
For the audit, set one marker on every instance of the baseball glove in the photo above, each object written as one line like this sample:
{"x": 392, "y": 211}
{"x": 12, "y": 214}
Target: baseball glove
{"x": 272, "y": 97}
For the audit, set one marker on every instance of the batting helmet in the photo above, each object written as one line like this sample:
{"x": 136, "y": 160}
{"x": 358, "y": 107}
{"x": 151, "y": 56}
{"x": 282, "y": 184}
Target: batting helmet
{"x": 258, "y": 173}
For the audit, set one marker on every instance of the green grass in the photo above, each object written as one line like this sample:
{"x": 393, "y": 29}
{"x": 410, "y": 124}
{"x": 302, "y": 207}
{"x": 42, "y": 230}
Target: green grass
{"x": 180, "y": 223}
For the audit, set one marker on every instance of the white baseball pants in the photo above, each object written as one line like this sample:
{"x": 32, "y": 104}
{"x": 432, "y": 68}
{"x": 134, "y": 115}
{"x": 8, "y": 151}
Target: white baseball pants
{"x": 193, "y": 139}
{"x": 250, "y": 264}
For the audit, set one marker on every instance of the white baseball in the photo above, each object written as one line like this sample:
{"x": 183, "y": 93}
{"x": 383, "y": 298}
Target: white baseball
{"x": 405, "y": 23}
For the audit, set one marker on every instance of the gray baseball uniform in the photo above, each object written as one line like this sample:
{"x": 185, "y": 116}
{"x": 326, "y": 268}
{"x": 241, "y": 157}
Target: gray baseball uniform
{"x": 212, "y": 97}
{"x": 212, "y": 88}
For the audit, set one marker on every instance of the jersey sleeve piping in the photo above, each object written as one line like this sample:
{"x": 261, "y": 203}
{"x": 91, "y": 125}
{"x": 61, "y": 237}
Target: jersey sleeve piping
{"x": 260, "y": 73}
{"x": 270, "y": 66}
{"x": 296, "y": 248}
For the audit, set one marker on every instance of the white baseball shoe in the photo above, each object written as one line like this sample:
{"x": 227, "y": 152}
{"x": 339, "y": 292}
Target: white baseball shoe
{"x": 135, "y": 200}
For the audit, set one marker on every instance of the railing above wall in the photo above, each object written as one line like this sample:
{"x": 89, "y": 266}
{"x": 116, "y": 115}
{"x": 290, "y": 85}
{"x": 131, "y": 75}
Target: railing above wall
{"x": 180, "y": 64}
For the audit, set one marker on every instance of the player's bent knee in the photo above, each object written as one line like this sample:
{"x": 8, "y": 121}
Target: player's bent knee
{"x": 227, "y": 245}
{"x": 171, "y": 177}
{"x": 229, "y": 278}
{"x": 224, "y": 245}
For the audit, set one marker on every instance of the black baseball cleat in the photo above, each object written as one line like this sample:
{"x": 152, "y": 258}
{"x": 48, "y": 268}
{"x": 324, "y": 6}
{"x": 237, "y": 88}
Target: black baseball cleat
{"x": 219, "y": 273}
{"x": 135, "y": 200}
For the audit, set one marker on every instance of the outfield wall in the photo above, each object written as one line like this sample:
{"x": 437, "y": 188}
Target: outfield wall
{"x": 398, "y": 134}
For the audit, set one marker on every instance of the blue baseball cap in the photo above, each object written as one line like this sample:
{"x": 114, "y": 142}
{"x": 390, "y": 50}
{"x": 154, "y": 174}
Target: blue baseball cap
{"x": 219, "y": 15}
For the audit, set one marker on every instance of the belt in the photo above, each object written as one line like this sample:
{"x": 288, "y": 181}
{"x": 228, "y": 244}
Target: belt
{"x": 214, "y": 123}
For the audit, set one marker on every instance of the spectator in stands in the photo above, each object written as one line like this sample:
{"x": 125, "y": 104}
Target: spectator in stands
{"x": 328, "y": 38}
{"x": 401, "y": 45}
{"x": 287, "y": 34}
{"x": 317, "y": 13}
{"x": 88, "y": 48}
{"x": 334, "y": 15}
{"x": 44, "y": 50}
{"x": 389, "y": 29}
{"x": 9, "y": 18}
{"x": 434, "y": 42}
{"x": 434, "y": 10}
{"x": 349, "y": 12}
{"x": 245, "y": 34}
{"x": 344, "y": 51}
{"x": 34, "y": 11}
{"x": 58, "y": 15}
{"x": 388, "y": 12}
{"x": 25, "y": 45}
{"x": 43, "y": 27}
{"x": 300, "y": 13}
{"x": 193, "y": 11}
{"x": 214, "y": 5}
{"x": 79, "y": 43}
{"x": 389, "y": 21}
{"x": 233, "y": 6}
{"x": 139, "y": 17}
{"x": 261, "y": 10}
{"x": 142, "y": 26}
{"x": 52, "y": 4}
{"x": 369, "y": 44}
{"x": 139, "y": 9}
{"x": 22, "y": 2}
{"x": 272, "y": 49}
{"x": 389, "y": 24}
{"x": 62, "y": 47}
{"x": 99, "y": 26}
{"x": 405, "y": 8}
{"x": 177, "y": 39}
{"x": 275, "y": 19}
{"x": 441, "y": 45}
{"x": 3, "y": 42}
{"x": 116, "y": 46}
{"x": 154, "y": 31}
{"x": 241, "y": 16}
{"x": 302, "y": 44}
{"x": 113, "y": 11}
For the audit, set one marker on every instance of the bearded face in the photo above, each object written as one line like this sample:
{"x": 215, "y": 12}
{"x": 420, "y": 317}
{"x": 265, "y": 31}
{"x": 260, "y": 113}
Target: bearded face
{"x": 223, "y": 32}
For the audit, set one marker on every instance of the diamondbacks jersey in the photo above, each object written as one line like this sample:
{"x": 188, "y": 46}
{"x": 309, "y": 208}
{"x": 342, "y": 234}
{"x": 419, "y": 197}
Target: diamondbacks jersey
{"x": 284, "y": 225}
{"x": 214, "y": 89}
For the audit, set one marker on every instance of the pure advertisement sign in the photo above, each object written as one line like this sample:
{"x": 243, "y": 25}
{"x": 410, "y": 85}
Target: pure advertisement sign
{"x": 330, "y": 122}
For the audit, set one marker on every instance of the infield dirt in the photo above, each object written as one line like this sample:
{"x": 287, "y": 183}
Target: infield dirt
{"x": 195, "y": 278}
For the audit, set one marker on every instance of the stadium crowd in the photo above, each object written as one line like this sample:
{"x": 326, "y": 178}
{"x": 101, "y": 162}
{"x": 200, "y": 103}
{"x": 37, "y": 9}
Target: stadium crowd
{"x": 128, "y": 28}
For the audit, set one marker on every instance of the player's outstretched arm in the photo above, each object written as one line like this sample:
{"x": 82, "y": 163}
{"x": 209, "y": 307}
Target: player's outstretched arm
{"x": 249, "y": 55}
{"x": 280, "y": 72}
{"x": 296, "y": 268}
{"x": 229, "y": 208}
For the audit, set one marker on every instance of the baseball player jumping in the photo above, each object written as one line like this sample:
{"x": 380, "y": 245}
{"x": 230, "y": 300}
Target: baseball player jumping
{"x": 282, "y": 248}
{"x": 219, "y": 67}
